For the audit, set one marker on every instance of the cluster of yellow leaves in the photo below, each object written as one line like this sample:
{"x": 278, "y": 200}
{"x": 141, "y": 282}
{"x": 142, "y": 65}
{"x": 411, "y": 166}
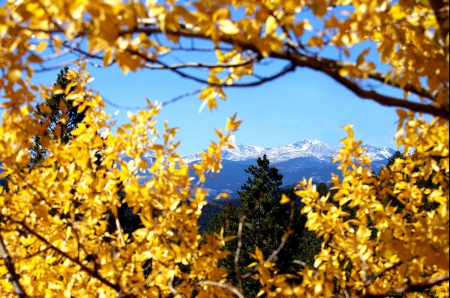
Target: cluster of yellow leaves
{"x": 411, "y": 37}
{"x": 54, "y": 217}
{"x": 410, "y": 246}
{"x": 383, "y": 249}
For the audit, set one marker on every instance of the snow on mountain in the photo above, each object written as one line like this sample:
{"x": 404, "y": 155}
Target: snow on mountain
{"x": 378, "y": 153}
{"x": 306, "y": 148}
{"x": 238, "y": 153}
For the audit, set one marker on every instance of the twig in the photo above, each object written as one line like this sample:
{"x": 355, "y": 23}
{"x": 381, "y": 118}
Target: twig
{"x": 282, "y": 244}
{"x": 375, "y": 276}
{"x": 119, "y": 229}
{"x": 12, "y": 275}
{"x": 83, "y": 267}
{"x": 57, "y": 66}
{"x": 164, "y": 103}
{"x": 199, "y": 65}
{"x": 413, "y": 288}
{"x": 225, "y": 286}
{"x": 239, "y": 245}
{"x": 177, "y": 98}
{"x": 173, "y": 290}
{"x": 327, "y": 66}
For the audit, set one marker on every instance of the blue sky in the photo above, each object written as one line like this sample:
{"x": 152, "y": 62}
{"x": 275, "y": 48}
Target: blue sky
{"x": 301, "y": 105}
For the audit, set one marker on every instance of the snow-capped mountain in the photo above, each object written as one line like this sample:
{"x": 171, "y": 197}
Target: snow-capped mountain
{"x": 303, "y": 159}
{"x": 378, "y": 153}
{"x": 307, "y": 148}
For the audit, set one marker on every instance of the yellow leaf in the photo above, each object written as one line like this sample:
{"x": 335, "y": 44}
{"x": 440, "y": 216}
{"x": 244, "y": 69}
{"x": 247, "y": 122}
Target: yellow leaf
{"x": 271, "y": 23}
{"x": 343, "y": 72}
{"x": 397, "y": 12}
{"x": 317, "y": 288}
{"x": 259, "y": 255}
{"x": 361, "y": 56}
{"x": 57, "y": 91}
{"x": 14, "y": 75}
{"x": 222, "y": 195}
{"x": 33, "y": 58}
{"x": 284, "y": 199}
{"x": 221, "y": 14}
{"x": 72, "y": 96}
{"x": 57, "y": 131}
{"x": 347, "y": 53}
{"x": 315, "y": 41}
{"x": 317, "y": 262}
{"x": 232, "y": 123}
{"x": 228, "y": 27}
{"x": 45, "y": 109}
{"x": 131, "y": 116}
{"x": 42, "y": 46}
{"x": 108, "y": 56}
{"x": 401, "y": 113}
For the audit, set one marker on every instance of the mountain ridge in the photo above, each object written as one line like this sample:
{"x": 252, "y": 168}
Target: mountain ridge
{"x": 307, "y": 158}
{"x": 282, "y": 153}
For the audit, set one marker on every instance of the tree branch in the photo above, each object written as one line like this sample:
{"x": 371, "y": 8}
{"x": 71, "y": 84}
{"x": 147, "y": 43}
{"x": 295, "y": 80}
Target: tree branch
{"x": 327, "y": 66}
{"x": 89, "y": 271}
{"x": 225, "y": 286}
{"x": 199, "y": 65}
{"x": 375, "y": 276}
{"x": 383, "y": 99}
{"x": 285, "y": 70}
{"x": 281, "y": 245}
{"x": 239, "y": 245}
{"x": 441, "y": 10}
{"x": 174, "y": 291}
{"x": 413, "y": 288}
{"x": 13, "y": 277}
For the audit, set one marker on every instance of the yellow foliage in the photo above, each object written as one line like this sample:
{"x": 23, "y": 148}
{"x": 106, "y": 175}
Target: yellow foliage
{"x": 53, "y": 235}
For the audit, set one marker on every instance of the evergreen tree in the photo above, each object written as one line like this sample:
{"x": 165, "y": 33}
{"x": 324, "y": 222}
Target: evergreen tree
{"x": 63, "y": 117}
{"x": 60, "y": 114}
{"x": 266, "y": 221}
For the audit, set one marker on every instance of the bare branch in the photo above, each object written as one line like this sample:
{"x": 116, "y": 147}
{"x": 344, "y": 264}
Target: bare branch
{"x": 195, "y": 49}
{"x": 57, "y": 66}
{"x": 83, "y": 267}
{"x": 119, "y": 229}
{"x": 225, "y": 286}
{"x": 66, "y": 51}
{"x": 12, "y": 275}
{"x": 177, "y": 98}
{"x": 239, "y": 245}
{"x": 375, "y": 276}
{"x": 413, "y": 288}
{"x": 386, "y": 100}
{"x": 262, "y": 80}
{"x": 200, "y": 65}
{"x": 124, "y": 107}
{"x": 173, "y": 290}
{"x": 327, "y": 66}
{"x": 281, "y": 245}
{"x": 164, "y": 103}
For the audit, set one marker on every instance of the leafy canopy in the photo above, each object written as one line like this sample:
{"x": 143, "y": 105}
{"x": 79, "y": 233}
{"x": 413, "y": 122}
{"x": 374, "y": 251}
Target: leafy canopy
{"x": 51, "y": 255}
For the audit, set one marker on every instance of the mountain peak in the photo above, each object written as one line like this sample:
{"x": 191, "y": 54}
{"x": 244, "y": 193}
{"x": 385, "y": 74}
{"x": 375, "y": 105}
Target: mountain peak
{"x": 308, "y": 142}
{"x": 309, "y": 148}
